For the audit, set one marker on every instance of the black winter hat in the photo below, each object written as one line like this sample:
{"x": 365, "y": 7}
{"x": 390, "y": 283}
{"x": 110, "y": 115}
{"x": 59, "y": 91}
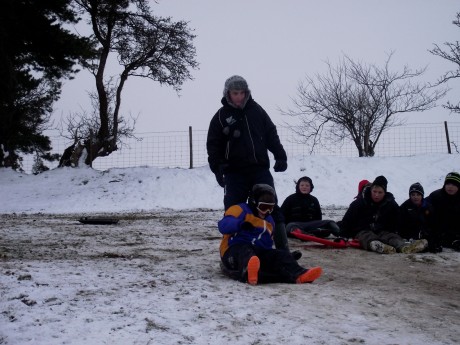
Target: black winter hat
{"x": 259, "y": 190}
{"x": 454, "y": 178}
{"x": 307, "y": 179}
{"x": 381, "y": 181}
{"x": 416, "y": 187}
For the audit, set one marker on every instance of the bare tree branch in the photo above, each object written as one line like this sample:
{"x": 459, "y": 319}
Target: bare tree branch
{"x": 452, "y": 54}
{"x": 358, "y": 102}
{"x": 145, "y": 46}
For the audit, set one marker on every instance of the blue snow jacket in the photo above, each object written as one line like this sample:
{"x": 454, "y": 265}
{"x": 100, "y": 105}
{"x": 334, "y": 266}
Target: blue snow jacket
{"x": 240, "y": 225}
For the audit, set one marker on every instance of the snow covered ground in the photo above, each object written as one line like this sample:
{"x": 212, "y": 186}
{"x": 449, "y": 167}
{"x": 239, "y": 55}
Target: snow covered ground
{"x": 86, "y": 190}
{"x": 154, "y": 278}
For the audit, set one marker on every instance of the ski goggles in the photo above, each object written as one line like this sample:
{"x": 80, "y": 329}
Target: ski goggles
{"x": 265, "y": 207}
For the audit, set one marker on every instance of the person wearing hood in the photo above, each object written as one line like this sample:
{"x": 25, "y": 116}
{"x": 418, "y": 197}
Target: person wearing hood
{"x": 374, "y": 219}
{"x": 416, "y": 218}
{"x": 240, "y": 135}
{"x": 362, "y": 186}
{"x": 446, "y": 208}
{"x": 246, "y": 249}
{"x": 302, "y": 211}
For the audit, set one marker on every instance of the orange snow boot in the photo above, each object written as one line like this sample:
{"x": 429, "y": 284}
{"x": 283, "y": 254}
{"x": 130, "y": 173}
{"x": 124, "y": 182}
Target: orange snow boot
{"x": 253, "y": 270}
{"x": 309, "y": 276}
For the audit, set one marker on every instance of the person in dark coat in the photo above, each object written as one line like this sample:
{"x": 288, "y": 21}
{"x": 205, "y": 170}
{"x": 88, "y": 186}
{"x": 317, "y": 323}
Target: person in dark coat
{"x": 362, "y": 186}
{"x": 239, "y": 137}
{"x": 446, "y": 207}
{"x": 416, "y": 217}
{"x": 247, "y": 243}
{"x": 302, "y": 210}
{"x": 373, "y": 220}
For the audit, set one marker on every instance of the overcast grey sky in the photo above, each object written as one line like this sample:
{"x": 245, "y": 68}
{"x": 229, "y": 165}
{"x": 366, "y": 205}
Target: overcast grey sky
{"x": 274, "y": 44}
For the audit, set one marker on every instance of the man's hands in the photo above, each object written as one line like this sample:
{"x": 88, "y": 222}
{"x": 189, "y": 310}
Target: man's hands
{"x": 220, "y": 179}
{"x": 280, "y": 166}
{"x": 220, "y": 174}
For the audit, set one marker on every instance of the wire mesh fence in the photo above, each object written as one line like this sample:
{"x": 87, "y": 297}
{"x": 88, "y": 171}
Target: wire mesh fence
{"x": 187, "y": 149}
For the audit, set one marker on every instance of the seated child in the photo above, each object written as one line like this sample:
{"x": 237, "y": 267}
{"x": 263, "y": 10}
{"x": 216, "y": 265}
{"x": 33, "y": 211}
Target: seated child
{"x": 362, "y": 186}
{"x": 446, "y": 208}
{"x": 302, "y": 211}
{"x": 247, "y": 243}
{"x": 416, "y": 218}
{"x": 374, "y": 220}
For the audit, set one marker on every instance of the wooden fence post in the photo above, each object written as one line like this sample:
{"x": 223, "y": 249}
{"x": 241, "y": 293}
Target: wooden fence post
{"x": 90, "y": 148}
{"x": 447, "y": 138}
{"x": 190, "y": 146}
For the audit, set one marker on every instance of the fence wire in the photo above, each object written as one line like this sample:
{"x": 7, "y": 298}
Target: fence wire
{"x": 173, "y": 149}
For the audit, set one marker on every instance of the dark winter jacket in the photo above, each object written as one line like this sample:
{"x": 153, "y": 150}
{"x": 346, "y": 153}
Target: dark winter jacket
{"x": 365, "y": 214}
{"x": 238, "y": 139}
{"x": 416, "y": 222}
{"x": 300, "y": 207}
{"x": 446, "y": 210}
{"x": 241, "y": 225}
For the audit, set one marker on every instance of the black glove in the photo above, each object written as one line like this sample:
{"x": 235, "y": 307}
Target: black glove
{"x": 219, "y": 172}
{"x": 220, "y": 179}
{"x": 280, "y": 166}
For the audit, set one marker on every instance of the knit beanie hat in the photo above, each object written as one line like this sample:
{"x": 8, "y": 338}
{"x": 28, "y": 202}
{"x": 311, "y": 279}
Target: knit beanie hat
{"x": 260, "y": 190}
{"x": 454, "y": 178}
{"x": 416, "y": 187}
{"x": 306, "y": 179}
{"x": 380, "y": 181}
{"x": 361, "y": 185}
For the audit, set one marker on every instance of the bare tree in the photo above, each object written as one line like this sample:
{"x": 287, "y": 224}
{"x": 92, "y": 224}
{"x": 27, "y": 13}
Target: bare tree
{"x": 358, "y": 102}
{"x": 145, "y": 46}
{"x": 79, "y": 127}
{"x": 452, "y": 54}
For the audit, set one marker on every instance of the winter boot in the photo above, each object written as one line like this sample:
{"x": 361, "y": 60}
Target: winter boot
{"x": 382, "y": 248}
{"x": 415, "y": 247}
{"x": 253, "y": 270}
{"x": 309, "y": 276}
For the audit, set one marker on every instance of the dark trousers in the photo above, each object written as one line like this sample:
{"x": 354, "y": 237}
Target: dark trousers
{"x": 319, "y": 228}
{"x": 367, "y": 236}
{"x": 275, "y": 265}
{"x": 238, "y": 185}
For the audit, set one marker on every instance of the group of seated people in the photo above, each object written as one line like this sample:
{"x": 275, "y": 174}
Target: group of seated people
{"x": 374, "y": 219}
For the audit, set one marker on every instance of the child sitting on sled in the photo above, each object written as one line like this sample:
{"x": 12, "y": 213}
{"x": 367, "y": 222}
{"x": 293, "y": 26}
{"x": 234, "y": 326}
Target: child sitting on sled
{"x": 302, "y": 211}
{"x": 247, "y": 243}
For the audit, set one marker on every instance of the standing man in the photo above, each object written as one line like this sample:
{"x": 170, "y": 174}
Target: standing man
{"x": 239, "y": 137}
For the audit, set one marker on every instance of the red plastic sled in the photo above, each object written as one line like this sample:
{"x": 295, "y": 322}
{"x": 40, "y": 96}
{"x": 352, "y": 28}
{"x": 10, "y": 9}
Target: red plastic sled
{"x": 336, "y": 243}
